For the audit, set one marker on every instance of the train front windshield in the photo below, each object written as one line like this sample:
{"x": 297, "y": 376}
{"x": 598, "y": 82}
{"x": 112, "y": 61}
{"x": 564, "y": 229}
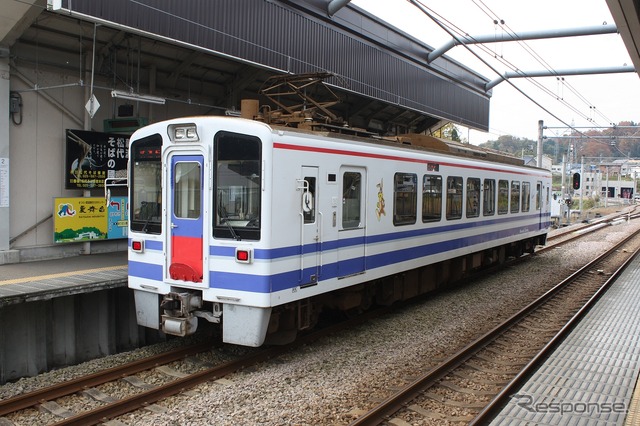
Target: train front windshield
{"x": 237, "y": 186}
{"x": 146, "y": 185}
{"x": 238, "y": 181}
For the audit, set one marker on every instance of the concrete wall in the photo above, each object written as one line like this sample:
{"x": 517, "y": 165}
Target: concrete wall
{"x": 36, "y": 337}
{"x": 54, "y": 101}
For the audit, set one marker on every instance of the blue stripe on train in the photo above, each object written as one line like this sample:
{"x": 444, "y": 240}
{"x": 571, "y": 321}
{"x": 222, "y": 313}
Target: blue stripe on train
{"x": 145, "y": 270}
{"x": 267, "y": 254}
{"x": 270, "y": 254}
{"x": 290, "y": 279}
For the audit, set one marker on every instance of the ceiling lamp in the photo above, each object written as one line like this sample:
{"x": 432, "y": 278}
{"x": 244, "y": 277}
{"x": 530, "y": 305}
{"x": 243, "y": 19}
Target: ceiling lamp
{"x": 120, "y": 94}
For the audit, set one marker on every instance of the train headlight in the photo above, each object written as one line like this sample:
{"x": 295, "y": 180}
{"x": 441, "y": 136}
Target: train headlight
{"x": 187, "y": 132}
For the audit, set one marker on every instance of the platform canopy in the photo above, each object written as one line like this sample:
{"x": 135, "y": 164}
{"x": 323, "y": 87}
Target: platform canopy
{"x": 217, "y": 53}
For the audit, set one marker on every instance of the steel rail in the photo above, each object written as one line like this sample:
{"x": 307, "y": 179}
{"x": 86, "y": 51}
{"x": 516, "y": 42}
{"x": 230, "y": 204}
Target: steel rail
{"x": 397, "y": 401}
{"x": 606, "y": 220}
{"x": 67, "y": 388}
{"x": 31, "y": 399}
{"x": 148, "y": 397}
{"x": 498, "y": 402}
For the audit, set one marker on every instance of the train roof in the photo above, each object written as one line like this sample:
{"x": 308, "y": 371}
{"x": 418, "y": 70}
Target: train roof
{"x": 413, "y": 141}
{"x": 315, "y": 118}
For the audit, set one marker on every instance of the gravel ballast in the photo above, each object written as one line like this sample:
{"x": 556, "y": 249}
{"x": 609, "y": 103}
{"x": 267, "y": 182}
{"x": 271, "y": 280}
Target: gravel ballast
{"x": 338, "y": 378}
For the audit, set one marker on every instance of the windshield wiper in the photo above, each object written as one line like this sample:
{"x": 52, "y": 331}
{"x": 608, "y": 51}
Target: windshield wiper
{"x": 225, "y": 216}
{"x": 146, "y": 223}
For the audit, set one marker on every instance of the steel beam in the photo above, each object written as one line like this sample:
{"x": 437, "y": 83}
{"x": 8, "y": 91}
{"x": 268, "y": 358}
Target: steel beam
{"x": 556, "y": 73}
{"x": 533, "y": 35}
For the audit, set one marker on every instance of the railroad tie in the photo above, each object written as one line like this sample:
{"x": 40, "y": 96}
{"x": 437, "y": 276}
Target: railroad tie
{"x": 56, "y": 409}
{"x": 98, "y": 395}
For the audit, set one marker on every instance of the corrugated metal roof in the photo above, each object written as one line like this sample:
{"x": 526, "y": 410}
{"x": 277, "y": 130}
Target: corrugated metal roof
{"x": 372, "y": 61}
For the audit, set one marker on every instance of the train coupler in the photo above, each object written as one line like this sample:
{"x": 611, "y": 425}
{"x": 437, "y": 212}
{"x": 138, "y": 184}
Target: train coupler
{"x": 179, "y": 326}
{"x": 178, "y": 318}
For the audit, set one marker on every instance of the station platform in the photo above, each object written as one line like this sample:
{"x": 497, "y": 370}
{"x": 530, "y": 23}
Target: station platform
{"x": 590, "y": 379}
{"x": 60, "y": 312}
{"x": 32, "y": 281}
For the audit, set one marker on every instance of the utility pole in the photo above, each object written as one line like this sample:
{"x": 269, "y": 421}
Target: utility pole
{"x": 539, "y": 150}
{"x": 565, "y": 194}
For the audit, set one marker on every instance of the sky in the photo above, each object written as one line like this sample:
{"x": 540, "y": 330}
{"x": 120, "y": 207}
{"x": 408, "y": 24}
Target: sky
{"x": 580, "y": 100}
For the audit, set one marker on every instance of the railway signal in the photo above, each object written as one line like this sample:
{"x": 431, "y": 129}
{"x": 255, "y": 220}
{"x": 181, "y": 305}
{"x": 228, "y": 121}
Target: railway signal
{"x": 576, "y": 181}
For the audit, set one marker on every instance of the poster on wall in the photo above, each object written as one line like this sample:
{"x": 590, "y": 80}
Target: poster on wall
{"x": 118, "y": 214}
{"x": 91, "y": 157}
{"x": 79, "y": 219}
{"x": 82, "y": 219}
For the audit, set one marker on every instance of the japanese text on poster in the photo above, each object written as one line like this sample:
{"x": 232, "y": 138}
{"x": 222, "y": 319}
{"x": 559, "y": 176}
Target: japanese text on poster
{"x": 82, "y": 219}
{"x": 93, "y": 156}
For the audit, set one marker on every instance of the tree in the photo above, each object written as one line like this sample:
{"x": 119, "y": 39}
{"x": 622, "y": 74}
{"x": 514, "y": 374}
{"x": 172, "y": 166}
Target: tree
{"x": 606, "y": 143}
{"x": 448, "y": 131}
{"x": 512, "y": 145}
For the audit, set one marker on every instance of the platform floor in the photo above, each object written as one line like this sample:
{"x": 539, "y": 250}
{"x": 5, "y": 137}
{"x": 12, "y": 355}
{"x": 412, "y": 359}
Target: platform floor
{"x": 22, "y": 282}
{"x": 590, "y": 378}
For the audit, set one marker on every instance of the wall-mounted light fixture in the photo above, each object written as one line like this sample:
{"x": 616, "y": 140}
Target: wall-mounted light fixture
{"x": 120, "y": 94}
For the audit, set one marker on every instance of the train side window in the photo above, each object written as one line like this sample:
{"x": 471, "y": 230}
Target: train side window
{"x": 473, "y": 197}
{"x": 454, "y": 197}
{"x": 526, "y": 196}
{"x": 405, "y": 198}
{"x": 515, "y": 196}
{"x": 489, "y": 197}
{"x": 309, "y": 200}
{"x": 351, "y": 199}
{"x": 431, "y": 198}
{"x": 503, "y": 196}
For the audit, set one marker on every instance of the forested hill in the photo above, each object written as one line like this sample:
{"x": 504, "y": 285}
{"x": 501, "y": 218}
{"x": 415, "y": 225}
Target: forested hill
{"x": 620, "y": 141}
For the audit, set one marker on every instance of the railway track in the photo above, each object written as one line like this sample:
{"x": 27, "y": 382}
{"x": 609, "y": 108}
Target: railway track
{"x": 82, "y": 402}
{"x": 576, "y": 231}
{"x": 471, "y": 385}
{"x": 56, "y": 398}
{"x": 144, "y": 396}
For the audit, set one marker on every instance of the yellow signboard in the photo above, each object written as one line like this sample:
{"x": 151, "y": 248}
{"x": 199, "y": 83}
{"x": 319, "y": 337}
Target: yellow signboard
{"x": 79, "y": 219}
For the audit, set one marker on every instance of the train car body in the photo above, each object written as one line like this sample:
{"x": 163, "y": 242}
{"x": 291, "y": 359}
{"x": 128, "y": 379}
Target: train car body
{"x": 259, "y": 228}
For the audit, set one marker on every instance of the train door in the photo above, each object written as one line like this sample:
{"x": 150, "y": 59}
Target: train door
{"x": 351, "y": 226}
{"x": 185, "y": 211}
{"x": 310, "y": 225}
{"x": 542, "y": 203}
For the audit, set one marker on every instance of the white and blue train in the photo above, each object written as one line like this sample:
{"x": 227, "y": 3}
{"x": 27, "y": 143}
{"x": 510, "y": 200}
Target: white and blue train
{"x": 259, "y": 228}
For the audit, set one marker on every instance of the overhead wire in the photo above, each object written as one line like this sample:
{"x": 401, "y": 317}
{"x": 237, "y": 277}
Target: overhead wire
{"x": 565, "y": 83}
{"x": 440, "y": 21}
{"x": 495, "y": 18}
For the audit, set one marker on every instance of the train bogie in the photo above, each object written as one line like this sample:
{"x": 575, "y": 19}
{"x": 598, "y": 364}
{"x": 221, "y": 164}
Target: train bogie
{"x": 260, "y": 228}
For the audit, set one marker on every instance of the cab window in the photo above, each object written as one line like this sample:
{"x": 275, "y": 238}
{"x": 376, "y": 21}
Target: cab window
{"x": 237, "y": 186}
